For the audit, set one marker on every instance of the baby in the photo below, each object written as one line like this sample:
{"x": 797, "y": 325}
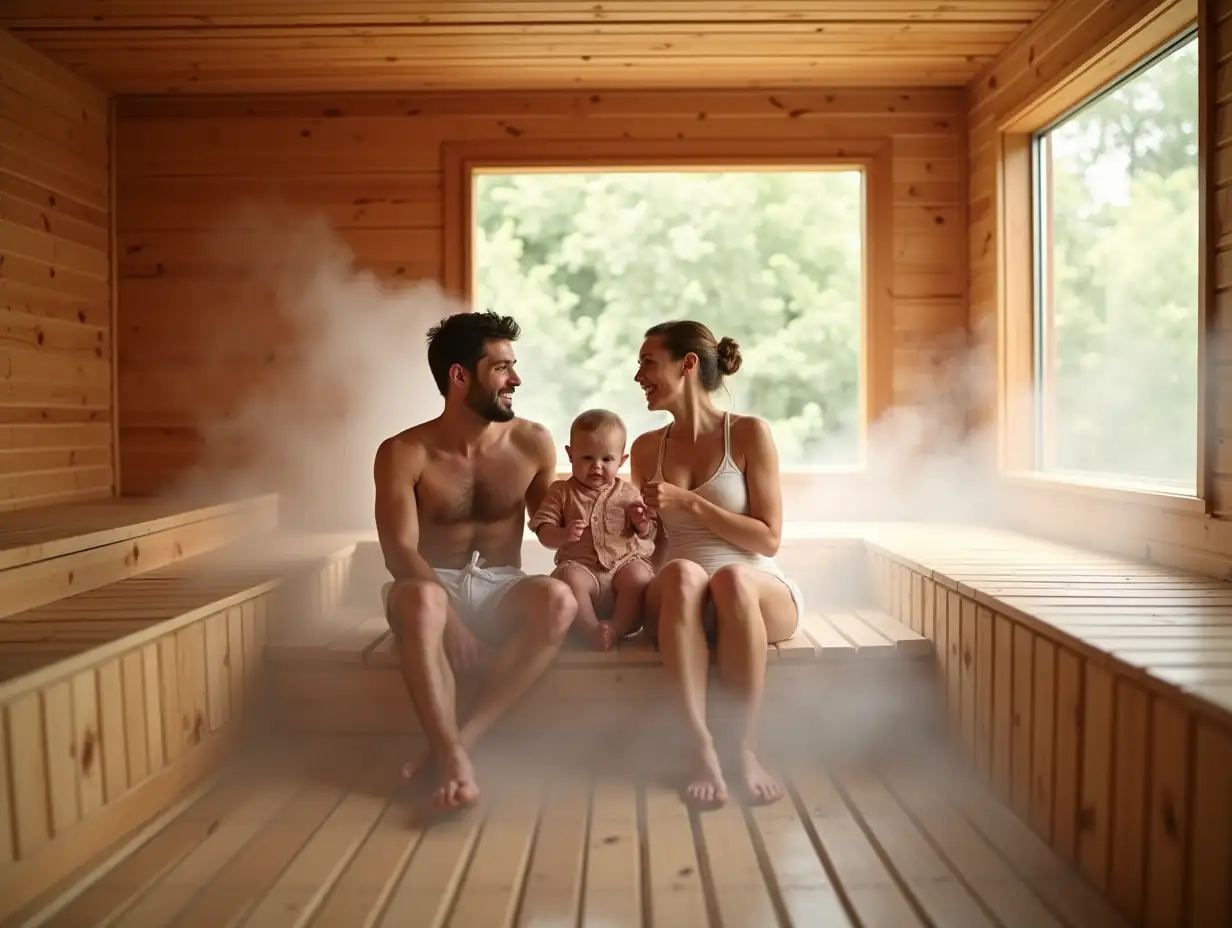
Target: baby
{"x": 601, "y": 531}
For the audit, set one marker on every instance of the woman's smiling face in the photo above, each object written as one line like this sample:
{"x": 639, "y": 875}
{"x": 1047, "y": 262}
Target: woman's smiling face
{"x": 661, "y": 378}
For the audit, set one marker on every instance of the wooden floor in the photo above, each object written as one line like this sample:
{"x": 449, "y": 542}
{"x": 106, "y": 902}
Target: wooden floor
{"x": 315, "y": 831}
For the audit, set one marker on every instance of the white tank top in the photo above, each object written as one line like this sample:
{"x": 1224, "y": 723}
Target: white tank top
{"x": 688, "y": 538}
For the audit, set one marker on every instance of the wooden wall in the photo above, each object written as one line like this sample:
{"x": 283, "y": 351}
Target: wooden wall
{"x": 1046, "y": 56}
{"x": 56, "y": 439}
{"x": 373, "y": 166}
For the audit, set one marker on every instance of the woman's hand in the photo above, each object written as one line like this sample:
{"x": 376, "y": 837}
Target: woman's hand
{"x": 661, "y": 496}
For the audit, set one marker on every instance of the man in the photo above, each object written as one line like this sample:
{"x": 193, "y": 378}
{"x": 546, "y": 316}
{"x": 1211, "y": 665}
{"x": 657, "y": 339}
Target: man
{"x": 451, "y": 502}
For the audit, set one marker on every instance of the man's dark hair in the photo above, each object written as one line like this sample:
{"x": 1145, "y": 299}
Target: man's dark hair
{"x": 462, "y": 339}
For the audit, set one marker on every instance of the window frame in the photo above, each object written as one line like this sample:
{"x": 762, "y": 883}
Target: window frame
{"x": 1021, "y": 286}
{"x": 872, "y": 156}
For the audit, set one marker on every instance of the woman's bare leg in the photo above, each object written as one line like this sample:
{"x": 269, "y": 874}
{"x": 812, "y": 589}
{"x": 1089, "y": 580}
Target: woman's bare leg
{"x": 752, "y": 608}
{"x": 675, "y": 601}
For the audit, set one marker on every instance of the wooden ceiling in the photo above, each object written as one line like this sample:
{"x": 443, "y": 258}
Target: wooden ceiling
{"x": 218, "y": 46}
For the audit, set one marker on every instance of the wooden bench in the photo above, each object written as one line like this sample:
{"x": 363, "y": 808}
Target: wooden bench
{"x": 116, "y": 699}
{"x": 1093, "y": 693}
{"x": 50, "y": 552}
{"x": 341, "y": 674}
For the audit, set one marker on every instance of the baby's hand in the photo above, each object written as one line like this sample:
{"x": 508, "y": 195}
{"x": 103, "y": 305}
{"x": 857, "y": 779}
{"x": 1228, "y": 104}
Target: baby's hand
{"x": 637, "y": 515}
{"x": 575, "y": 529}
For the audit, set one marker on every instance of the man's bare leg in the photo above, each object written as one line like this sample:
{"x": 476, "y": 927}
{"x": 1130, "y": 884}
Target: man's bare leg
{"x": 629, "y": 598}
{"x": 584, "y": 588}
{"x": 537, "y": 612}
{"x": 676, "y": 598}
{"x": 420, "y": 609}
{"x": 752, "y": 608}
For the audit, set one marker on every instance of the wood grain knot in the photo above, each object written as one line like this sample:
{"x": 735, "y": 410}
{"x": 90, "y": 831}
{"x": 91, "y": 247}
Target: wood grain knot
{"x": 88, "y": 742}
{"x": 1086, "y": 818}
{"x": 1167, "y": 812}
{"x": 198, "y": 725}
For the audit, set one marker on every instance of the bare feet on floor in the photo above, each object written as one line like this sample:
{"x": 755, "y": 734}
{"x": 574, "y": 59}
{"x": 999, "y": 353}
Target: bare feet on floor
{"x": 707, "y": 786}
{"x": 761, "y": 786}
{"x": 458, "y": 787}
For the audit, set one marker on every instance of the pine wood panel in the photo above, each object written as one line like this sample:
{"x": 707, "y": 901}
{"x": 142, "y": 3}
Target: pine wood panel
{"x": 198, "y": 339}
{"x": 1114, "y": 723}
{"x": 59, "y": 551}
{"x": 328, "y": 674}
{"x": 56, "y": 333}
{"x": 330, "y": 46}
{"x": 116, "y": 700}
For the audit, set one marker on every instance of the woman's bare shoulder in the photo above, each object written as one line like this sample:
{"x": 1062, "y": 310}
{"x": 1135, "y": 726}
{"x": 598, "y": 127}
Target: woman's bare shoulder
{"x": 644, "y": 452}
{"x": 750, "y": 434}
{"x": 649, "y": 439}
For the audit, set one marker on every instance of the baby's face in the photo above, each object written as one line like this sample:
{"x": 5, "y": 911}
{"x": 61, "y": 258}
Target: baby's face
{"x": 596, "y": 456}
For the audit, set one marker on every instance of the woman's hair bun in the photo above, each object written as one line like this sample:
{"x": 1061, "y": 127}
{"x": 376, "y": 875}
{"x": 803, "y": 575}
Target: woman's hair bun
{"x": 729, "y": 356}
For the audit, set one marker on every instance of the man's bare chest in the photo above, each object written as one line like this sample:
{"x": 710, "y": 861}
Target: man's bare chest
{"x": 460, "y": 492}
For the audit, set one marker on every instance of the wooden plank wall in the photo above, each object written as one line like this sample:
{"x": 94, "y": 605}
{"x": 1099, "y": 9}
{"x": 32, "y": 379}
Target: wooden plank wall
{"x": 1116, "y": 771}
{"x": 373, "y": 166}
{"x": 56, "y": 436}
{"x": 1047, "y": 52}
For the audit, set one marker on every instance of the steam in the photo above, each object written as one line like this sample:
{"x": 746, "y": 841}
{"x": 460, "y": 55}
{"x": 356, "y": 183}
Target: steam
{"x": 327, "y": 360}
{"x": 350, "y": 370}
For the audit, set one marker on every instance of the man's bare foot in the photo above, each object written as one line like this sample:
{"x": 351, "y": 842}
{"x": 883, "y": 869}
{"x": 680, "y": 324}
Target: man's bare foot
{"x": 458, "y": 787}
{"x": 708, "y": 785}
{"x": 761, "y": 787}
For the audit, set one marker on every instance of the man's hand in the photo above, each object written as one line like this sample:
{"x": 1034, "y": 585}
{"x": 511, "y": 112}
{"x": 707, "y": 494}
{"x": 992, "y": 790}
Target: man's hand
{"x": 462, "y": 648}
{"x": 574, "y": 529}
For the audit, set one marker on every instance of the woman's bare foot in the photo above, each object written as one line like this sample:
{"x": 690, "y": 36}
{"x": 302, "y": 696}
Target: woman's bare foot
{"x": 761, "y": 787}
{"x": 708, "y": 785}
{"x": 458, "y": 787}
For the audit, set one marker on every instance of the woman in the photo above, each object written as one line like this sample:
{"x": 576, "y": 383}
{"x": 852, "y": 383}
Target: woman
{"x": 713, "y": 480}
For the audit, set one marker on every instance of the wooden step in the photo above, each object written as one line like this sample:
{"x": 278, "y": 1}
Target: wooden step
{"x": 342, "y": 673}
{"x": 53, "y": 552}
{"x": 118, "y": 698}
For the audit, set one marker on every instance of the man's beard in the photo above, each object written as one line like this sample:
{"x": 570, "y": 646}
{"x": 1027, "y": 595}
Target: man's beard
{"x": 488, "y": 406}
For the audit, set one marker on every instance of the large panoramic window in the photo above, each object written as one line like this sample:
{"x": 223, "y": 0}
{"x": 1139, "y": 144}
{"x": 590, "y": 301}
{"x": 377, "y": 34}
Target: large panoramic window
{"x": 1117, "y": 256}
{"x": 772, "y": 258}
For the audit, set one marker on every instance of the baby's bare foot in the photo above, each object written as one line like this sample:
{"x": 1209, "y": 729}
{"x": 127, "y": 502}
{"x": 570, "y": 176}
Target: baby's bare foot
{"x": 606, "y": 637}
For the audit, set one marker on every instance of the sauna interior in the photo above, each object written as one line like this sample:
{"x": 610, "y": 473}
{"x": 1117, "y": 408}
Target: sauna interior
{"x": 974, "y": 254}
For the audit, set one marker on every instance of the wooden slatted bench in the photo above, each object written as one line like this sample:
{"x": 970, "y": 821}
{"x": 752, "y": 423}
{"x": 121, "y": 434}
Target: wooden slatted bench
{"x": 113, "y": 700}
{"x": 342, "y": 675}
{"x": 1092, "y": 692}
{"x": 50, "y": 552}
